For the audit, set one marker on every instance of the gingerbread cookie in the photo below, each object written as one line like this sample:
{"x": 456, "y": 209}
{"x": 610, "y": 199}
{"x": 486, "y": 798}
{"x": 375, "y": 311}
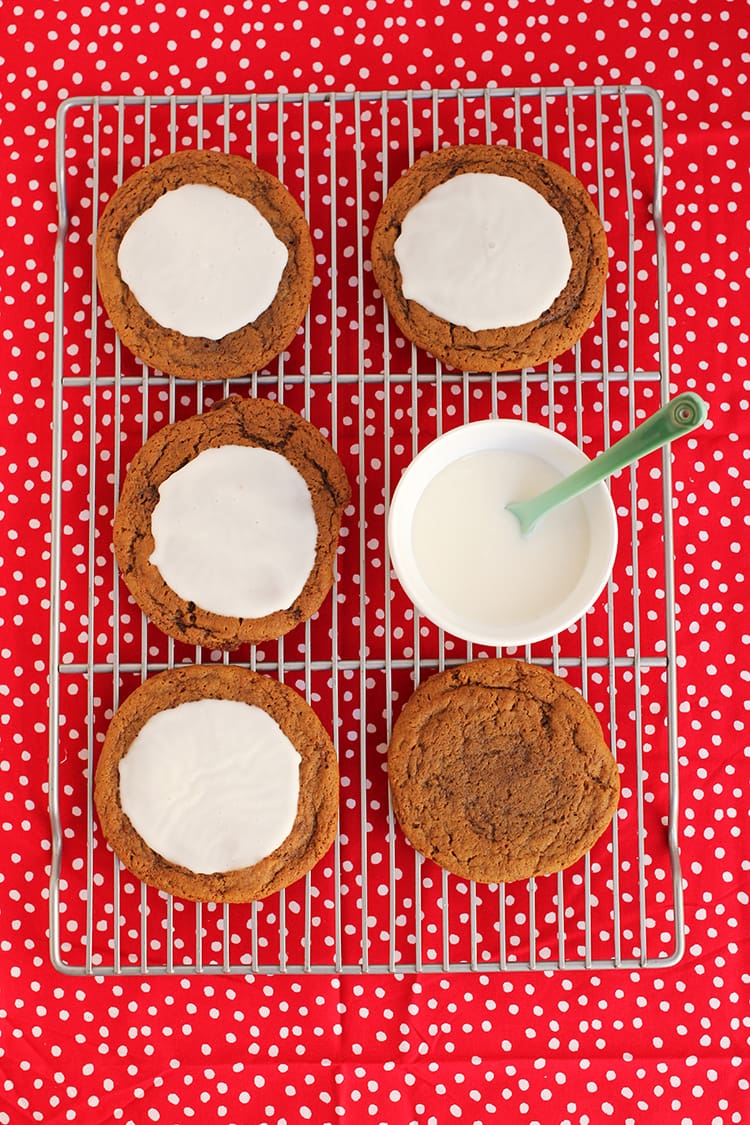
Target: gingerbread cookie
{"x": 205, "y": 265}
{"x": 499, "y": 771}
{"x": 217, "y": 784}
{"x": 489, "y": 257}
{"x": 227, "y": 525}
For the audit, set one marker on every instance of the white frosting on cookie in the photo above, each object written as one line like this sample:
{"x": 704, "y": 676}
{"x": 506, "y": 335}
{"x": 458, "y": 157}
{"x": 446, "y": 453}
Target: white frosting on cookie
{"x": 483, "y": 251}
{"x": 212, "y": 785}
{"x": 235, "y": 531}
{"x": 202, "y": 261}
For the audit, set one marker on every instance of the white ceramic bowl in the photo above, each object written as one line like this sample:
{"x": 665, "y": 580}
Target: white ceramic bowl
{"x": 571, "y": 552}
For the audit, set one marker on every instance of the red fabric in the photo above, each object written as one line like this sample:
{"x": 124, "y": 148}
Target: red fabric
{"x": 556, "y": 1047}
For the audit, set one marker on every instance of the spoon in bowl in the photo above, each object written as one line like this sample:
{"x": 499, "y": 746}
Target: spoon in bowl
{"x": 677, "y": 418}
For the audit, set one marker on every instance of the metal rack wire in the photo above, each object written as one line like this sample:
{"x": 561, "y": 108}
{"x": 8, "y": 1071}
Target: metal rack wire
{"x": 372, "y": 905}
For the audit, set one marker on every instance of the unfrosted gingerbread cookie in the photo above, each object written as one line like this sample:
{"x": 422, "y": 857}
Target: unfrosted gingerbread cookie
{"x": 499, "y": 771}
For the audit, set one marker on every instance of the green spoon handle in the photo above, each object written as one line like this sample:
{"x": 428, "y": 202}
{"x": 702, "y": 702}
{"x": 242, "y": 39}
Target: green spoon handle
{"x": 678, "y": 417}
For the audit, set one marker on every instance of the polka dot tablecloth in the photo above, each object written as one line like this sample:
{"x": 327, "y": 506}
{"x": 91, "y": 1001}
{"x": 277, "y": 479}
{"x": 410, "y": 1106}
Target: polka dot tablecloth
{"x": 586, "y": 1046}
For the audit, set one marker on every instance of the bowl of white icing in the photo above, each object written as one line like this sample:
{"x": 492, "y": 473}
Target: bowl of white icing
{"x": 461, "y": 557}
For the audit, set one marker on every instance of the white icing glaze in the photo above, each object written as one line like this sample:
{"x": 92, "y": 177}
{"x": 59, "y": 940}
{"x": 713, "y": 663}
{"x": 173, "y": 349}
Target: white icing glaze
{"x": 202, "y": 261}
{"x": 470, "y": 551}
{"x": 235, "y": 531}
{"x": 483, "y": 251}
{"x": 212, "y": 785}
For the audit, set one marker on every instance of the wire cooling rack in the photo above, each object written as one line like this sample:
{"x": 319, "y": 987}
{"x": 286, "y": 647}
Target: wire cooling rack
{"x": 372, "y": 904}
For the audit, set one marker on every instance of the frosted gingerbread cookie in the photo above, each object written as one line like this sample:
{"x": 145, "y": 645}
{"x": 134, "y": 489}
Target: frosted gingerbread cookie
{"x": 489, "y": 257}
{"x": 205, "y": 265}
{"x": 217, "y": 784}
{"x": 228, "y": 522}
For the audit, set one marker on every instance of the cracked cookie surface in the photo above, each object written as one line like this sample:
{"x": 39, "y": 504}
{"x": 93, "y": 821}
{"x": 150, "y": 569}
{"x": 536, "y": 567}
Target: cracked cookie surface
{"x": 233, "y": 421}
{"x": 499, "y": 771}
{"x": 501, "y": 348}
{"x": 314, "y": 826}
{"x": 195, "y": 357}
